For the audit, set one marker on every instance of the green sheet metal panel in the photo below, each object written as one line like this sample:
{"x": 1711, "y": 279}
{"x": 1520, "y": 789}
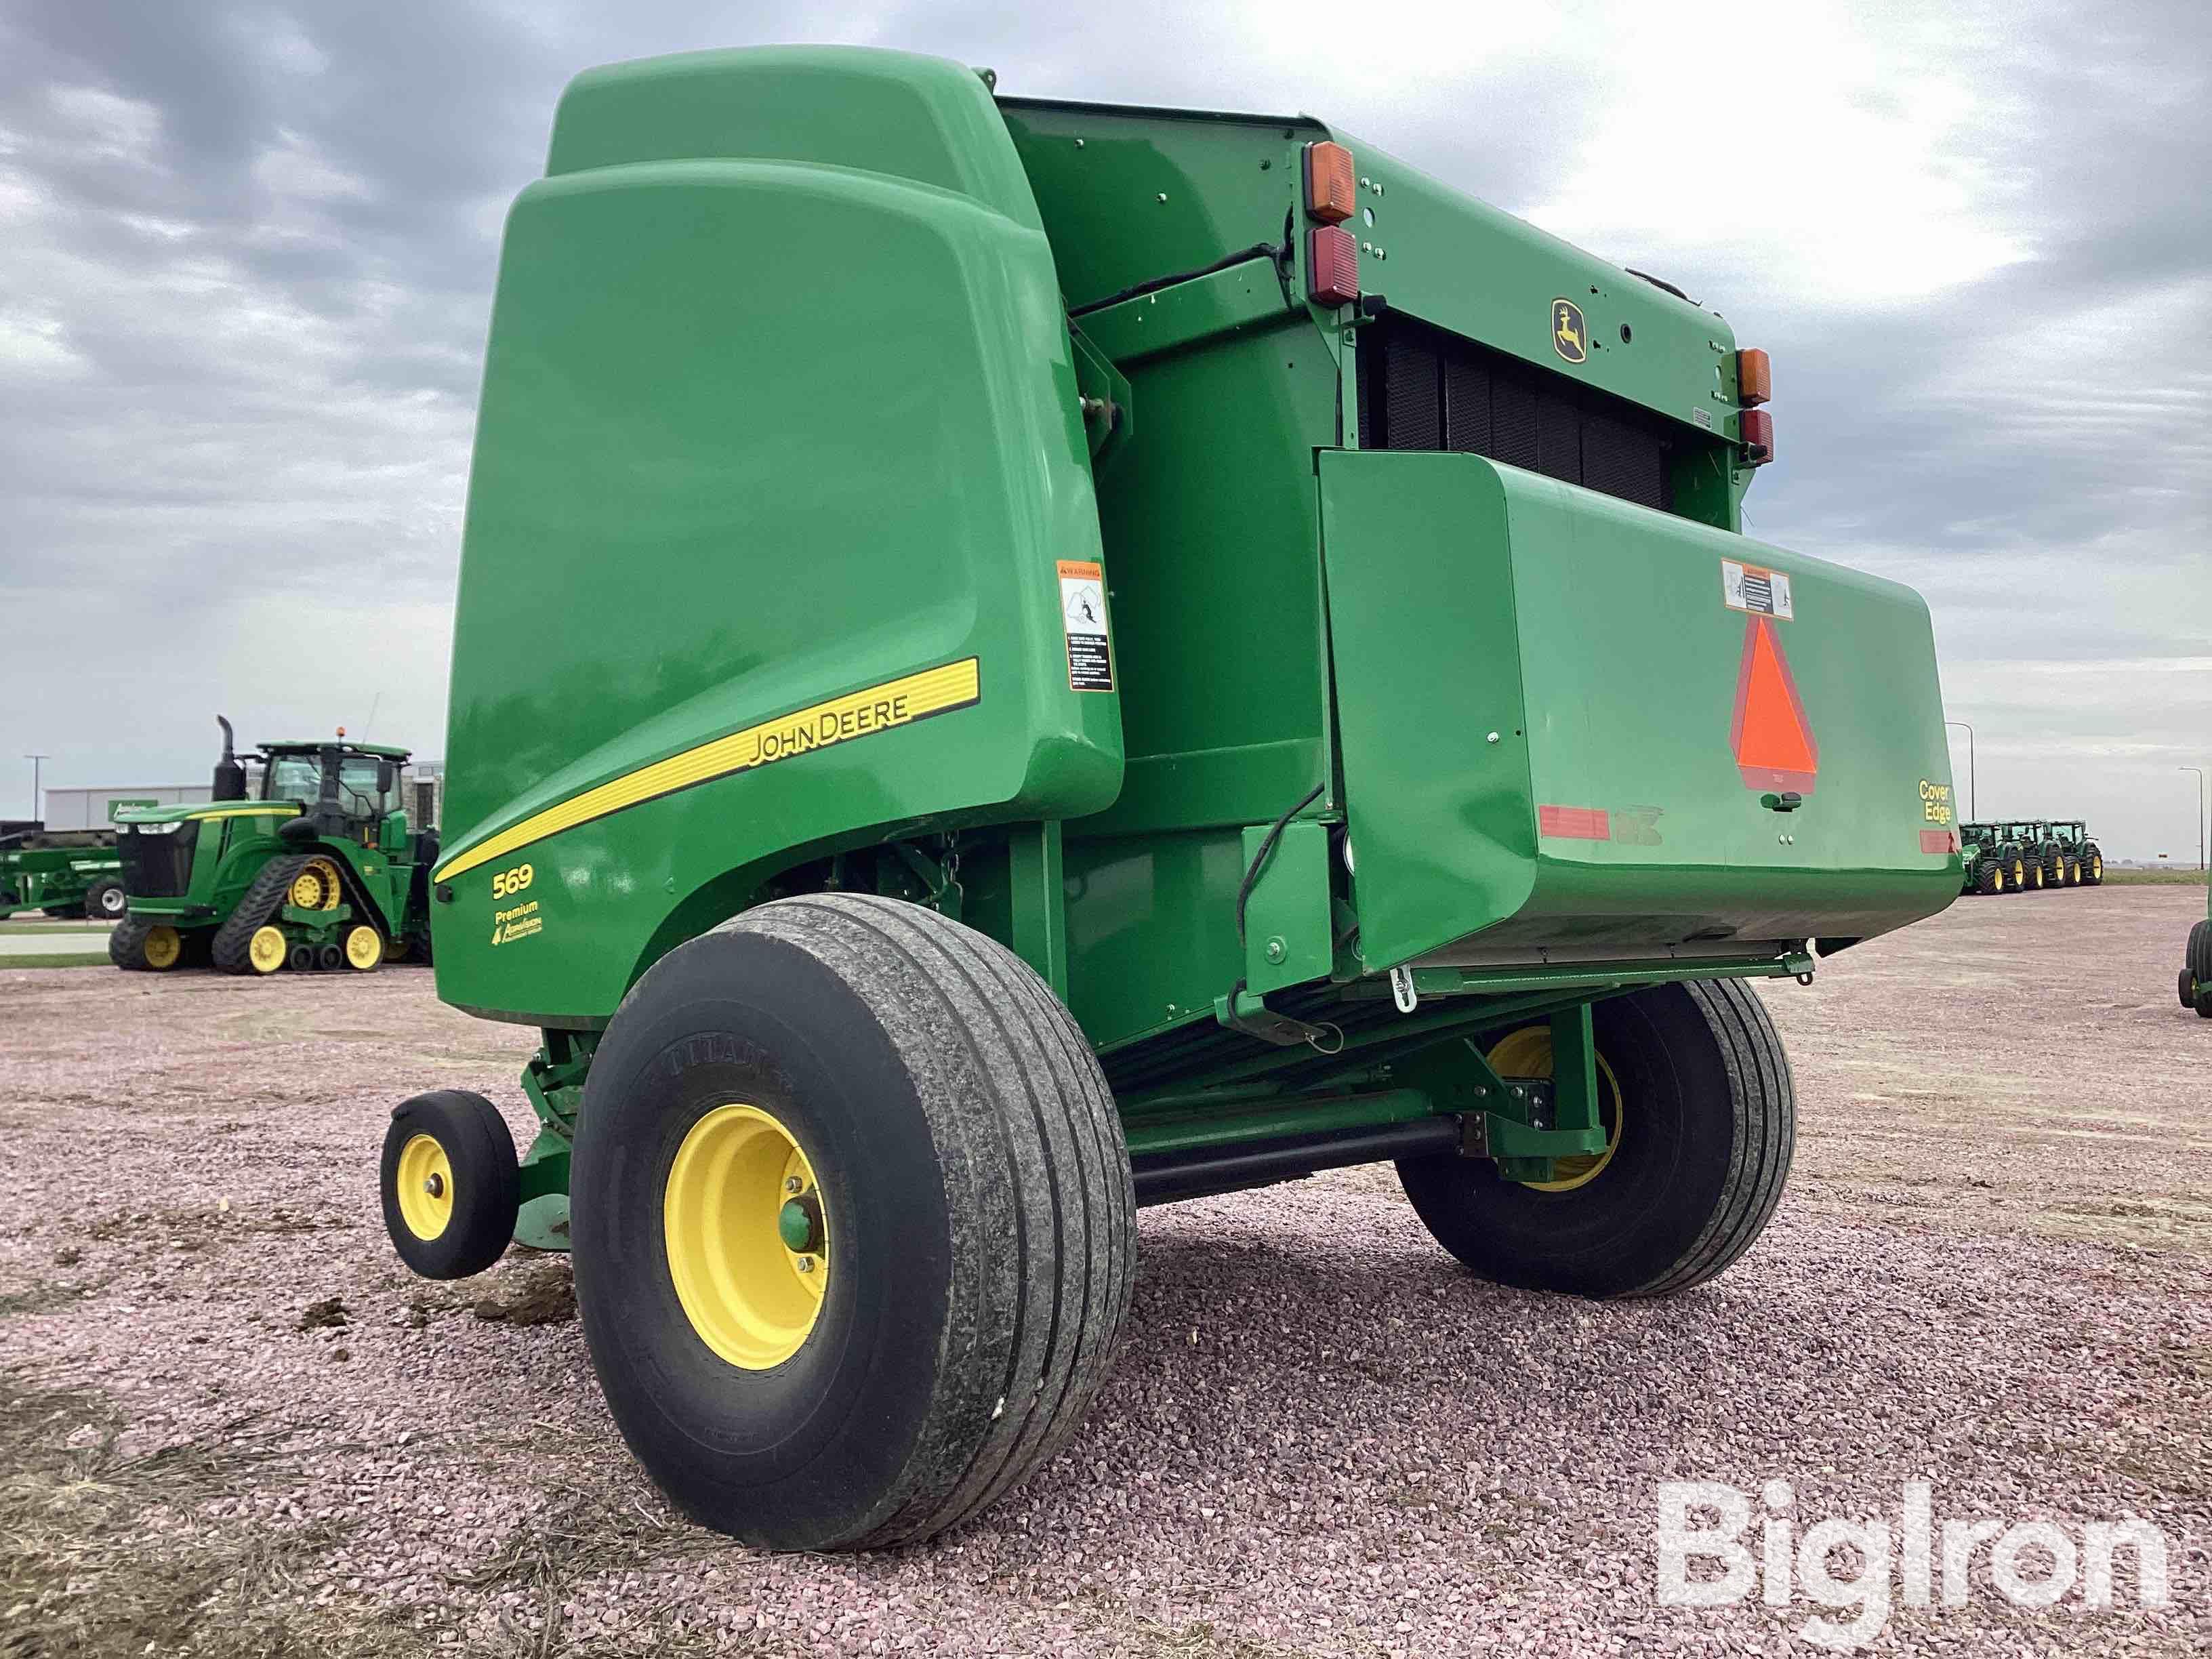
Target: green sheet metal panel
{"x": 757, "y": 436}
{"x": 1611, "y": 816}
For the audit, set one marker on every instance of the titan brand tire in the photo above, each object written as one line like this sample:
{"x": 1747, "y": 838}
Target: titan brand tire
{"x": 972, "y": 1206}
{"x": 231, "y": 950}
{"x": 105, "y": 901}
{"x": 1707, "y": 1117}
{"x": 450, "y": 1187}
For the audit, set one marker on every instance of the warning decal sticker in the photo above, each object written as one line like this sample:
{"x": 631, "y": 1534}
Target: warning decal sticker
{"x": 1752, "y": 588}
{"x": 1083, "y": 610}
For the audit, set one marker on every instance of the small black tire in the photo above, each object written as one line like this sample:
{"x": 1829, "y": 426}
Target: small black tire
{"x": 973, "y": 1192}
{"x": 127, "y": 946}
{"x": 105, "y": 901}
{"x": 63, "y": 912}
{"x": 1708, "y": 1120}
{"x": 466, "y": 1226}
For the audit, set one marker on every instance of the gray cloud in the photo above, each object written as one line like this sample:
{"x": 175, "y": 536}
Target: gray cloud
{"x": 249, "y": 250}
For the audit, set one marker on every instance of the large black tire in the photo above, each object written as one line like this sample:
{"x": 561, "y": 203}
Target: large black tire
{"x": 1989, "y": 876}
{"x": 974, "y": 1188}
{"x": 2054, "y": 870}
{"x": 480, "y": 1181}
{"x": 2196, "y": 969}
{"x": 2069, "y": 871}
{"x": 105, "y": 900}
{"x": 2034, "y": 882}
{"x": 1707, "y": 1122}
{"x": 2092, "y": 865}
{"x": 261, "y": 902}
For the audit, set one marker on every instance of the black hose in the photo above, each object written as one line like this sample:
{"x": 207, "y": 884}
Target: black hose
{"x": 1267, "y": 850}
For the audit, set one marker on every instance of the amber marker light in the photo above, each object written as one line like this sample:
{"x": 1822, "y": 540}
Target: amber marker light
{"x": 1331, "y": 191}
{"x": 1754, "y": 377}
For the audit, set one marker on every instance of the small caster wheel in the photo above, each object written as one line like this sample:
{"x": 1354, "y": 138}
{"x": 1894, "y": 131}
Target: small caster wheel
{"x": 329, "y": 959}
{"x": 452, "y": 1187}
{"x": 303, "y": 958}
{"x": 364, "y": 949}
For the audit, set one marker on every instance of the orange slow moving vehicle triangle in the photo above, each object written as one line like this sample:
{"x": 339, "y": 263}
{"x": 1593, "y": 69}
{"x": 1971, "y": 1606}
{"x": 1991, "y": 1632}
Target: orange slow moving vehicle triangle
{"x": 1772, "y": 738}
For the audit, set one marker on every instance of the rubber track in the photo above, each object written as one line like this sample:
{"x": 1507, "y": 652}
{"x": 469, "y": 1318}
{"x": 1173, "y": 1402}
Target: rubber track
{"x": 1764, "y": 1101}
{"x": 262, "y": 901}
{"x": 1024, "y": 1118}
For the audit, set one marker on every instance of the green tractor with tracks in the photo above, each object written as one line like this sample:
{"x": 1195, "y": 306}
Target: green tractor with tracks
{"x": 320, "y": 872}
{"x": 1018, "y": 660}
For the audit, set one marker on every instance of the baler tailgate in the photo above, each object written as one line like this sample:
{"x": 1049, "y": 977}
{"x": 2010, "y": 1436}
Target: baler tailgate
{"x": 1574, "y": 729}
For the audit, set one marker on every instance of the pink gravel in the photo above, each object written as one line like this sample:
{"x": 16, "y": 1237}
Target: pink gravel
{"x": 1322, "y": 1437}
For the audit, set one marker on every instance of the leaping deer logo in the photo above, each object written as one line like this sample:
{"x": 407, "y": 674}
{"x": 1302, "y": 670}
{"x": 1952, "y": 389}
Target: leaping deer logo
{"x": 1569, "y": 336}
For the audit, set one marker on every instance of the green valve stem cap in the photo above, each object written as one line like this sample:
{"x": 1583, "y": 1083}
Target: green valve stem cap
{"x": 798, "y": 1224}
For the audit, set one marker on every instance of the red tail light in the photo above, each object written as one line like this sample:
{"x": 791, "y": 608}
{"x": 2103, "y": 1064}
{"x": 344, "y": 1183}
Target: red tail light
{"x": 1331, "y": 192}
{"x": 1332, "y": 266}
{"x": 1754, "y": 377}
{"x": 1758, "y": 431}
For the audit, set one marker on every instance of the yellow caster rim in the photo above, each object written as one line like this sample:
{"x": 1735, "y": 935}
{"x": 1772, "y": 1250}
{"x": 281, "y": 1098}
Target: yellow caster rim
{"x": 316, "y": 886}
{"x": 748, "y": 1239}
{"x": 364, "y": 949}
{"x": 425, "y": 1180}
{"x": 162, "y": 947}
{"x": 1528, "y": 1053}
{"x": 265, "y": 950}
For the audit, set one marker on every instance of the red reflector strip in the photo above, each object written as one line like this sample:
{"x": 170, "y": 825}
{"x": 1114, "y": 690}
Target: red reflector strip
{"x": 1939, "y": 841}
{"x": 1332, "y": 266}
{"x": 1574, "y": 823}
{"x": 1758, "y": 430}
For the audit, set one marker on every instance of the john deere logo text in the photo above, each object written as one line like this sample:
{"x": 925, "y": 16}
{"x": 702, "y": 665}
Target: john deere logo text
{"x": 1570, "y": 335}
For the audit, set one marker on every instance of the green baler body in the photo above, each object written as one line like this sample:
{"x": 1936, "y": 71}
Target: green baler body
{"x": 782, "y": 464}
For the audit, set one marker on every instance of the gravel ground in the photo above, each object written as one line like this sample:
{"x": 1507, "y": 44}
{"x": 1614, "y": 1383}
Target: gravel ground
{"x": 232, "y": 1425}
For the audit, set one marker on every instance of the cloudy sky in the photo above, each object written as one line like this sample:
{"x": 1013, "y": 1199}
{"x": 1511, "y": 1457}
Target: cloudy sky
{"x": 247, "y": 254}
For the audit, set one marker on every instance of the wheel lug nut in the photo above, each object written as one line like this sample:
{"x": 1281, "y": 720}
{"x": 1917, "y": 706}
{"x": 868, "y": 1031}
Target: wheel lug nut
{"x": 806, "y": 1264}
{"x": 793, "y": 1183}
{"x": 435, "y": 1186}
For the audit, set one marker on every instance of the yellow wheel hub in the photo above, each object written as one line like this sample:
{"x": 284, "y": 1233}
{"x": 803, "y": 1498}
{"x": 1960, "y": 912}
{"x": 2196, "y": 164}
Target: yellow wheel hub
{"x": 266, "y": 950}
{"x": 364, "y": 948}
{"x": 1528, "y": 1053}
{"x": 425, "y": 1180}
{"x": 748, "y": 1240}
{"x": 162, "y": 947}
{"x": 316, "y": 886}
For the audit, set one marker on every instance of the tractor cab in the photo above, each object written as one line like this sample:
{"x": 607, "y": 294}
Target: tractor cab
{"x": 350, "y": 790}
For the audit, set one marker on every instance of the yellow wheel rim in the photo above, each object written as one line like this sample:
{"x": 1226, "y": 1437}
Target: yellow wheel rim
{"x": 747, "y": 1238}
{"x": 364, "y": 948}
{"x": 162, "y": 947}
{"x": 316, "y": 886}
{"x": 265, "y": 950}
{"x": 1528, "y": 1053}
{"x": 425, "y": 1181}
{"x": 1996, "y": 881}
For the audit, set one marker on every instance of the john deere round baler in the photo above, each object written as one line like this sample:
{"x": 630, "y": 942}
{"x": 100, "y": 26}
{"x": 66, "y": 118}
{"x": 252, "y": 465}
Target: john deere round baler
{"x": 1016, "y": 660}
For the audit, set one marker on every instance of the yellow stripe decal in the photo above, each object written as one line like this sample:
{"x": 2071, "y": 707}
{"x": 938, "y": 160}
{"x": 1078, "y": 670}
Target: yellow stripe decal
{"x": 275, "y": 809}
{"x": 856, "y": 714}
